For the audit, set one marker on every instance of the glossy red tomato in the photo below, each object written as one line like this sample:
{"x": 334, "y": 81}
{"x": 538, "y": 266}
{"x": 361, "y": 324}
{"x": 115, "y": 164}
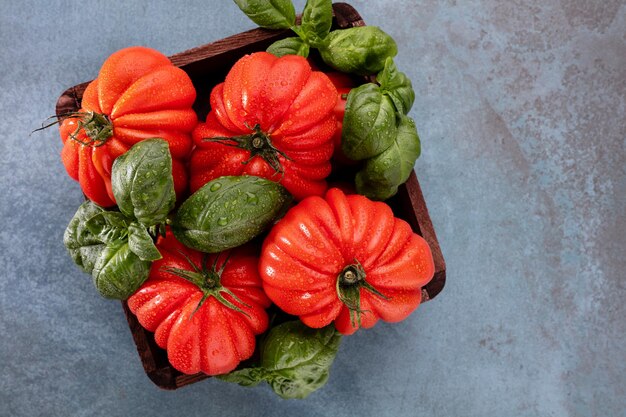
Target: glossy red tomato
{"x": 272, "y": 117}
{"x": 205, "y": 310}
{"x": 138, "y": 94}
{"x": 345, "y": 259}
{"x": 344, "y": 83}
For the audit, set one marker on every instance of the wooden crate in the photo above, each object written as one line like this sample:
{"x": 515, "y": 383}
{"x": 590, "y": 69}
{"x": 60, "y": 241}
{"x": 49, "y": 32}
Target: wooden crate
{"x": 207, "y": 65}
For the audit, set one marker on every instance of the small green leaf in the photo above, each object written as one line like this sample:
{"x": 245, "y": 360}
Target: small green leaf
{"x": 360, "y": 50}
{"x": 369, "y": 123}
{"x": 270, "y": 14}
{"x": 228, "y": 212}
{"x": 397, "y": 86}
{"x": 118, "y": 272}
{"x": 289, "y": 46}
{"x": 141, "y": 243}
{"x": 82, "y": 245}
{"x": 317, "y": 19}
{"x": 381, "y": 175}
{"x": 108, "y": 226}
{"x": 142, "y": 182}
{"x": 297, "y": 358}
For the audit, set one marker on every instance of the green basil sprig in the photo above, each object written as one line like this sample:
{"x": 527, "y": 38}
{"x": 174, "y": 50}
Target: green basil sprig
{"x": 228, "y": 212}
{"x": 275, "y": 14}
{"x": 380, "y": 177}
{"x": 369, "y": 123}
{"x": 295, "y": 360}
{"x": 376, "y": 129}
{"x": 358, "y": 50}
{"x": 289, "y": 46}
{"x": 83, "y": 246}
{"x": 142, "y": 182}
{"x": 117, "y": 247}
{"x": 119, "y": 272}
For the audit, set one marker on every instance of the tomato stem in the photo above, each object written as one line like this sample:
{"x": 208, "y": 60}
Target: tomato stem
{"x": 349, "y": 283}
{"x": 258, "y": 143}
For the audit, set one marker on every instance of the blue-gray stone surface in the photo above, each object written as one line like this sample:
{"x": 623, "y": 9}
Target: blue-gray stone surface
{"x": 521, "y": 110}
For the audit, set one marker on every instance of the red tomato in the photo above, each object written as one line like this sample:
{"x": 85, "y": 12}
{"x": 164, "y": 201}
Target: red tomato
{"x": 273, "y": 118}
{"x": 205, "y": 310}
{"x": 138, "y": 94}
{"x": 344, "y": 83}
{"x": 345, "y": 259}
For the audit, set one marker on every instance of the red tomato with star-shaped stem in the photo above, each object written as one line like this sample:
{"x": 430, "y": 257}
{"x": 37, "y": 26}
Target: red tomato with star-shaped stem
{"x": 272, "y": 117}
{"x": 347, "y": 260}
{"x": 205, "y": 310}
{"x": 139, "y": 94}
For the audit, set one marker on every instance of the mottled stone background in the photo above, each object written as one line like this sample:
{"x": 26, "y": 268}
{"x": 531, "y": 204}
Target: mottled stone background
{"x": 521, "y": 111}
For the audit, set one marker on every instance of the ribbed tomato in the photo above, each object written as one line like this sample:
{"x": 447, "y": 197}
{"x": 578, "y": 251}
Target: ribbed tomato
{"x": 273, "y": 118}
{"x": 138, "y": 94}
{"x": 345, "y": 259}
{"x": 344, "y": 83}
{"x": 205, "y": 310}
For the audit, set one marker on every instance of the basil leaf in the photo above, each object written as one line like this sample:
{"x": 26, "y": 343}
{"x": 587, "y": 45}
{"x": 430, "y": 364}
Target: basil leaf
{"x": 142, "y": 182}
{"x": 108, "y": 226}
{"x": 359, "y": 50}
{"x": 141, "y": 243}
{"x": 247, "y": 377}
{"x": 382, "y": 174}
{"x": 82, "y": 245}
{"x": 297, "y": 358}
{"x": 289, "y": 46}
{"x": 369, "y": 123}
{"x": 229, "y": 211}
{"x": 397, "y": 86}
{"x": 317, "y": 19}
{"x": 118, "y": 272}
{"x": 270, "y": 14}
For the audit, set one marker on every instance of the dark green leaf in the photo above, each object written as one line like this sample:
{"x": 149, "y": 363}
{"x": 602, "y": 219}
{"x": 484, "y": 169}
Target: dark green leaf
{"x": 141, "y": 243}
{"x": 118, "y": 272}
{"x": 397, "y": 86}
{"x": 270, "y": 14}
{"x": 83, "y": 246}
{"x": 359, "y": 50}
{"x": 247, "y": 377}
{"x": 228, "y": 212}
{"x": 369, "y": 123}
{"x": 317, "y": 19}
{"x": 382, "y": 175}
{"x": 108, "y": 226}
{"x": 289, "y": 46}
{"x": 142, "y": 182}
{"x": 297, "y": 358}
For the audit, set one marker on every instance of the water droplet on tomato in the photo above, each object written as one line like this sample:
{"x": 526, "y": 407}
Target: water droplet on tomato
{"x": 222, "y": 221}
{"x": 216, "y": 186}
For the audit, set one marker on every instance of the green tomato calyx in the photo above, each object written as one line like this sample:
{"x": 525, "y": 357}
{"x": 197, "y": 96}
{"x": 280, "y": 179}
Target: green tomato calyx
{"x": 208, "y": 280}
{"x": 258, "y": 143}
{"x": 349, "y": 283}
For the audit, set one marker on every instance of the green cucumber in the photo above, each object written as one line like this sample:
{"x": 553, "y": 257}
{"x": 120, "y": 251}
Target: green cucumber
{"x": 228, "y": 212}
